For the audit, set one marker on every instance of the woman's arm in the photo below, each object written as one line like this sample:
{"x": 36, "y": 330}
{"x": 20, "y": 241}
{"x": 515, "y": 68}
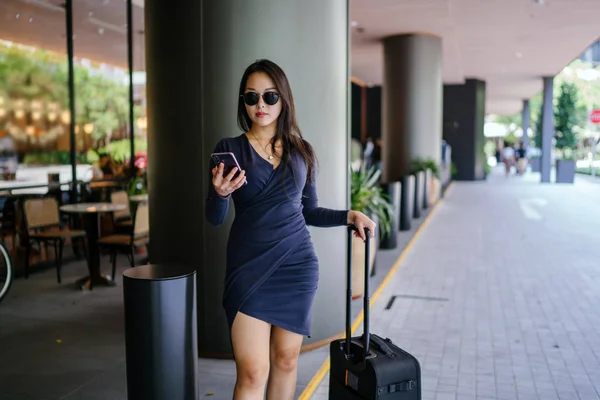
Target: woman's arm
{"x": 325, "y": 217}
{"x": 319, "y": 216}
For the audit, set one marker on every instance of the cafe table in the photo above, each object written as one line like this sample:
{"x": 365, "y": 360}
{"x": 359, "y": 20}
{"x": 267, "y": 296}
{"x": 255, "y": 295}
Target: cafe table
{"x": 91, "y": 215}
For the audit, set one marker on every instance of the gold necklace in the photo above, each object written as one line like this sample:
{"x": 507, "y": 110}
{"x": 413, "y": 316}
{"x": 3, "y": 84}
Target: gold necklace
{"x": 264, "y": 147}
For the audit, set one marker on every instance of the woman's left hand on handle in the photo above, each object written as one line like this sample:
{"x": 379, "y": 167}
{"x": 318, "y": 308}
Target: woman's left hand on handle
{"x": 361, "y": 221}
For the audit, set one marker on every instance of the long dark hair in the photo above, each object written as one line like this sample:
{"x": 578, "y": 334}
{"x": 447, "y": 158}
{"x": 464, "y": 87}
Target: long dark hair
{"x": 287, "y": 129}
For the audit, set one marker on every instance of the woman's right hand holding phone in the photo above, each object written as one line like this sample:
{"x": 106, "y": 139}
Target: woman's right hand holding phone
{"x": 225, "y": 185}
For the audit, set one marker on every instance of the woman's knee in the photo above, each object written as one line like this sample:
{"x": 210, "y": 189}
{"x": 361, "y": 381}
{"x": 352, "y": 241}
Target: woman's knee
{"x": 285, "y": 359}
{"x": 285, "y": 350}
{"x": 252, "y": 374}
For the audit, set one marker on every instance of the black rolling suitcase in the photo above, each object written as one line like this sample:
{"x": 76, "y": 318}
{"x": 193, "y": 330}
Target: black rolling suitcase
{"x": 387, "y": 372}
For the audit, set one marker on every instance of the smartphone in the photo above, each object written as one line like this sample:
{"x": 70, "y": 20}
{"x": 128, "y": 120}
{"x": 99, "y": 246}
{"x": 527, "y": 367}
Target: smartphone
{"x": 229, "y": 162}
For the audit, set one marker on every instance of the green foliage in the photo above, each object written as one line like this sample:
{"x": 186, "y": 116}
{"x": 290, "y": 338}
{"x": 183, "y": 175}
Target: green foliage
{"x": 510, "y": 138}
{"x": 588, "y": 90}
{"x": 367, "y": 197}
{"x": 137, "y": 185}
{"x": 567, "y": 153}
{"x": 489, "y": 148}
{"x": 433, "y": 166}
{"x": 515, "y": 119}
{"x": 581, "y": 94}
{"x": 487, "y": 169}
{"x": 92, "y": 156}
{"x": 453, "y": 169}
{"x": 566, "y": 117}
{"x": 27, "y": 75}
{"x": 120, "y": 151}
{"x": 588, "y": 171}
{"x": 101, "y": 102}
{"x": 537, "y": 139}
{"x": 356, "y": 150}
{"x": 47, "y": 158}
{"x": 535, "y": 117}
{"x": 41, "y": 75}
{"x": 419, "y": 165}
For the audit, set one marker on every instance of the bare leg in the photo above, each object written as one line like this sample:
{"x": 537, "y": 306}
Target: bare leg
{"x": 250, "y": 338}
{"x": 285, "y": 349}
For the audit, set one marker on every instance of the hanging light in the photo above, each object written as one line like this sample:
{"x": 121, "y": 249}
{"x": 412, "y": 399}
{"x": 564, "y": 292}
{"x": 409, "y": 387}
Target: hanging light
{"x": 65, "y": 117}
{"x": 142, "y": 123}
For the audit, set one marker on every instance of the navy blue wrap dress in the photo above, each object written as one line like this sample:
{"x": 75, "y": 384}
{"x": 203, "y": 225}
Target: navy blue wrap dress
{"x": 272, "y": 269}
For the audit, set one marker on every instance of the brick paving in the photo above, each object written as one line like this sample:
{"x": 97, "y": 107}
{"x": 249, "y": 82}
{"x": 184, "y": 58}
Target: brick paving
{"x": 501, "y": 303}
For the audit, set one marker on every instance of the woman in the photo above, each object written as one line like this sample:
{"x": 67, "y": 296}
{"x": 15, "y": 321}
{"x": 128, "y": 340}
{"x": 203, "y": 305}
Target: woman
{"x": 272, "y": 269}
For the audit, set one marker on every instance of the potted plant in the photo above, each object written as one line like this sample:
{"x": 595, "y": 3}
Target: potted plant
{"x": 366, "y": 196}
{"x": 433, "y": 184}
{"x": 535, "y": 162}
{"x": 566, "y": 131}
{"x": 419, "y": 170}
{"x": 565, "y": 167}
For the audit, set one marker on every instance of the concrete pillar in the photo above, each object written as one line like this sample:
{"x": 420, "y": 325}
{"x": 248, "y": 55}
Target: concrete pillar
{"x": 357, "y": 114}
{"x": 464, "y": 118}
{"x": 525, "y": 122}
{"x": 412, "y": 102}
{"x": 374, "y": 112}
{"x": 196, "y": 55}
{"x": 547, "y": 127}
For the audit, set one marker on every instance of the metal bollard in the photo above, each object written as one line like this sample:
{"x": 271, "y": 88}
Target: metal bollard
{"x": 418, "y": 200}
{"x": 393, "y": 191}
{"x": 407, "y": 199}
{"x": 161, "y": 332}
{"x": 427, "y": 188}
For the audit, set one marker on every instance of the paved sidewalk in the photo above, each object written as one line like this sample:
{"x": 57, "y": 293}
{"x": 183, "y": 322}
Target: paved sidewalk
{"x": 499, "y": 298}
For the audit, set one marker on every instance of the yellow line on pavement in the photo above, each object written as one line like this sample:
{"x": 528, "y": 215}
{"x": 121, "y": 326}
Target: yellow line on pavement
{"x": 318, "y": 377}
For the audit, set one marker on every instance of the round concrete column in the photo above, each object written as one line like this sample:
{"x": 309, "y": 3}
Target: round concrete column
{"x": 412, "y": 102}
{"x": 196, "y": 55}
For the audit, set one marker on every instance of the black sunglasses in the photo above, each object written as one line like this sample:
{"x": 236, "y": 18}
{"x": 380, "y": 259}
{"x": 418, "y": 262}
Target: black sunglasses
{"x": 251, "y": 98}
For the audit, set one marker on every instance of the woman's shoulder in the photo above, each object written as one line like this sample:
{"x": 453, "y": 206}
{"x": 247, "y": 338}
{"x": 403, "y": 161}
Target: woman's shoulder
{"x": 232, "y": 143}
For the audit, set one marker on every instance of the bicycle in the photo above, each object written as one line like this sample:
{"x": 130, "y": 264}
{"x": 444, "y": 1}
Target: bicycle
{"x": 7, "y": 272}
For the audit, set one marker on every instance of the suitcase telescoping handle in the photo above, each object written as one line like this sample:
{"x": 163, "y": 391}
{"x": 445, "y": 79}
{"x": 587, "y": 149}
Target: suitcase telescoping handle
{"x": 366, "y": 297}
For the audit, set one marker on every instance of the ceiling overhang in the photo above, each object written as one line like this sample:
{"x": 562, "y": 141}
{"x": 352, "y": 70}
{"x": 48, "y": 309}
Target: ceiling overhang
{"x": 510, "y": 44}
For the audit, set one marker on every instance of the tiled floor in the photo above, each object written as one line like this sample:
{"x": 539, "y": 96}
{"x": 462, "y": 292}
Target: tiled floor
{"x": 502, "y": 293}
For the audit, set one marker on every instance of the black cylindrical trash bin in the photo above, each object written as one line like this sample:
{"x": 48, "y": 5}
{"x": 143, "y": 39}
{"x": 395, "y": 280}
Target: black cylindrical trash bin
{"x": 393, "y": 192}
{"x": 427, "y": 188}
{"x": 407, "y": 198}
{"x": 161, "y": 332}
{"x": 418, "y": 201}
